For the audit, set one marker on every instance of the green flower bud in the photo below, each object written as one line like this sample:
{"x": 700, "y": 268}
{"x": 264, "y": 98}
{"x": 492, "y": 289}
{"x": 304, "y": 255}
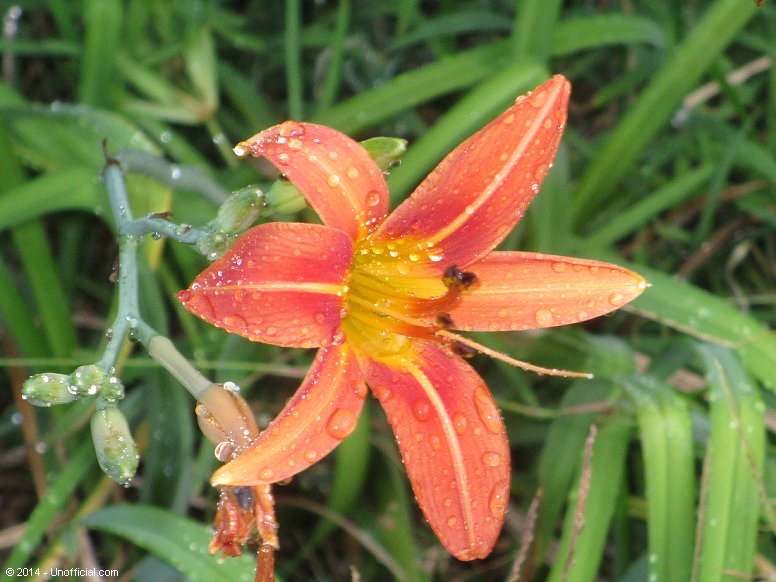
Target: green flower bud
{"x": 241, "y": 210}
{"x": 215, "y": 244}
{"x": 385, "y": 151}
{"x": 285, "y": 198}
{"x": 48, "y": 389}
{"x": 114, "y": 445}
{"x": 87, "y": 380}
{"x": 112, "y": 389}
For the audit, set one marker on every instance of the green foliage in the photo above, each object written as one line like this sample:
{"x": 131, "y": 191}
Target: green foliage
{"x": 658, "y": 469}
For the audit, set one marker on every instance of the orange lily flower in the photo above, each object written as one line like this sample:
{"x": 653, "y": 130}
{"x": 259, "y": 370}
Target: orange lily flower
{"x": 380, "y": 295}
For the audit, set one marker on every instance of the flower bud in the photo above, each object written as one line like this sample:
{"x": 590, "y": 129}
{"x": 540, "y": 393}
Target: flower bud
{"x": 241, "y": 210}
{"x": 385, "y": 151}
{"x": 48, "y": 389}
{"x": 87, "y": 380}
{"x": 224, "y": 416}
{"x": 285, "y": 198}
{"x": 214, "y": 245}
{"x": 114, "y": 445}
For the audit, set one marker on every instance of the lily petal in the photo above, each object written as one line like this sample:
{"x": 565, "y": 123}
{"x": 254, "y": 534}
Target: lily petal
{"x": 477, "y": 194}
{"x": 336, "y": 175}
{"x": 519, "y": 290}
{"x": 323, "y": 411}
{"x": 453, "y": 444}
{"x": 281, "y": 283}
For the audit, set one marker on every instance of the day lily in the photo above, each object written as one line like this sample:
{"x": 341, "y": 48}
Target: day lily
{"x": 380, "y": 296}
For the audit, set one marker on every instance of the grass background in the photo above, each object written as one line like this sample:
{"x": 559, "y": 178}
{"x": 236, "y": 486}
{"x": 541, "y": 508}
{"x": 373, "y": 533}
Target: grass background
{"x": 667, "y": 166}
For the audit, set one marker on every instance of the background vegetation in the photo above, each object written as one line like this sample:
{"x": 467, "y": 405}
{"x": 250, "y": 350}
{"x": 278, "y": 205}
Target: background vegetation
{"x": 667, "y": 166}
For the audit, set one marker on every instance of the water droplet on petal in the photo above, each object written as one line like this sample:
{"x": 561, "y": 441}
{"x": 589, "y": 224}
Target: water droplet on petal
{"x": 616, "y": 299}
{"x": 271, "y": 330}
{"x": 283, "y": 159}
{"x": 383, "y": 393}
{"x": 310, "y": 456}
{"x": 421, "y": 409}
{"x": 373, "y": 198}
{"x": 266, "y": 474}
{"x": 491, "y": 459}
{"x": 460, "y": 422}
{"x": 341, "y": 423}
{"x": 499, "y": 496}
{"x": 509, "y": 119}
{"x": 452, "y": 521}
{"x": 333, "y": 180}
{"x": 352, "y": 173}
{"x": 538, "y": 99}
{"x": 487, "y": 411}
{"x": 295, "y": 144}
{"x": 559, "y": 267}
{"x": 544, "y": 317}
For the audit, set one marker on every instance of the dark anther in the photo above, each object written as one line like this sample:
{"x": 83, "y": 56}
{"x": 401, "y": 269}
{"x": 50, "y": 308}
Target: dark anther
{"x": 244, "y": 496}
{"x": 463, "y": 350}
{"x": 444, "y": 320}
{"x": 454, "y": 278}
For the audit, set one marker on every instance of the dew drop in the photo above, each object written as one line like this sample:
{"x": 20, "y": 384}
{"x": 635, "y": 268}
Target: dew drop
{"x": 487, "y": 411}
{"x": 421, "y": 409}
{"x": 616, "y": 299}
{"x": 352, "y": 173}
{"x": 373, "y": 198}
{"x": 559, "y": 267}
{"x": 509, "y": 119}
{"x": 271, "y": 330}
{"x": 460, "y": 422}
{"x": 341, "y": 423}
{"x": 224, "y": 451}
{"x": 436, "y": 443}
{"x": 538, "y": 99}
{"x": 266, "y": 474}
{"x": 333, "y": 180}
{"x": 491, "y": 459}
{"x": 498, "y": 499}
{"x": 234, "y": 323}
{"x": 283, "y": 159}
{"x": 544, "y": 317}
{"x": 295, "y": 144}
{"x": 383, "y": 393}
{"x": 452, "y": 521}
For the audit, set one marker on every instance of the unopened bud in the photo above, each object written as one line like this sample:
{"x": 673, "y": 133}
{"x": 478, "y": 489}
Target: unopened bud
{"x": 285, "y": 198}
{"x": 114, "y": 445}
{"x": 48, "y": 389}
{"x": 87, "y": 380}
{"x": 385, "y": 151}
{"x": 224, "y": 416}
{"x": 241, "y": 210}
{"x": 214, "y": 245}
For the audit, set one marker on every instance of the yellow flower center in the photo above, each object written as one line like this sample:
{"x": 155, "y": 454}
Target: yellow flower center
{"x": 386, "y": 305}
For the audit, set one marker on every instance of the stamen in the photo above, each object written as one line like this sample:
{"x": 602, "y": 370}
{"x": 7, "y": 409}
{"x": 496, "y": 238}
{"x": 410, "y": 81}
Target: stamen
{"x": 460, "y": 340}
{"x": 454, "y": 278}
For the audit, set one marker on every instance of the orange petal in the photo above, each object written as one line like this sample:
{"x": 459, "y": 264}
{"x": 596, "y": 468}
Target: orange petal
{"x": 477, "y": 194}
{"x": 453, "y": 444}
{"x": 281, "y": 283}
{"x": 520, "y": 290}
{"x": 336, "y": 175}
{"x": 323, "y": 411}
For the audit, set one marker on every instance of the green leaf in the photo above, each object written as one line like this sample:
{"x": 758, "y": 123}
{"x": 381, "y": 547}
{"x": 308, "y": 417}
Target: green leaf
{"x": 175, "y": 539}
{"x": 657, "y": 102}
{"x": 665, "y": 431}
{"x": 733, "y": 472}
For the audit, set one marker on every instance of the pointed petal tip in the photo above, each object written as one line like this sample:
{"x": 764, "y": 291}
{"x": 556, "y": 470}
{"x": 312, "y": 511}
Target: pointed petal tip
{"x": 222, "y": 477}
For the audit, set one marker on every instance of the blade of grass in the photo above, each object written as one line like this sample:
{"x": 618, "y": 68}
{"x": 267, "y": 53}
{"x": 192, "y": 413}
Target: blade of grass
{"x": 730, "y": 515}
{"x": 175, "y": 539}
{"x": 532, "y": 32}
{"x": 293, "y": 53}
{"x": 411, "y": 88}
{"x": 665, "y": 432}
{"x": 653, "y": 108}
{"x": 582, "y": 545}
{"x": 103, "y": 37}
